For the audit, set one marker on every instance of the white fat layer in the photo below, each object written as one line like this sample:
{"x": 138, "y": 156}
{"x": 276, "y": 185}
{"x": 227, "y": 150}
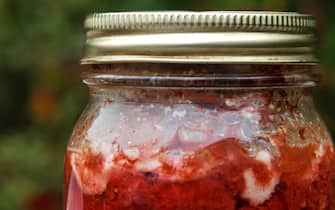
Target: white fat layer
{"x": 109, "y": 162}
{"x": 89, "y": 181}
{"x": 265, "y": 157}
{"x": 148, "y": 165}
{"x": 319, "y": 153}
{"x": 255, "y": 192}
{"x": 132, "y": 153}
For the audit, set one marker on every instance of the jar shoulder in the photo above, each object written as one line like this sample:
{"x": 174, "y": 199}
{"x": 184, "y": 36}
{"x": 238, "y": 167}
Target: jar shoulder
{"x": 197, "y": 122}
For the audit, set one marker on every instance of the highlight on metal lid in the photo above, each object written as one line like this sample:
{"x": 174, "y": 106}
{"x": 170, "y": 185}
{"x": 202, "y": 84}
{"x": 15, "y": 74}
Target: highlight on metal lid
{"x": 200, "y": 37}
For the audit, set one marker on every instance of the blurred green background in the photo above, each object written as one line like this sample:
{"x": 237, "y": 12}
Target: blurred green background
{"x": 42, "y": 95}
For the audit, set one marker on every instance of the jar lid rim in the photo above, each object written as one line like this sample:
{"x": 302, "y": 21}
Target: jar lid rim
{"x": 215, "y": 20}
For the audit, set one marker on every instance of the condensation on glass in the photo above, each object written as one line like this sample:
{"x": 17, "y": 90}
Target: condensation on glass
{"x": 200, "y": 110}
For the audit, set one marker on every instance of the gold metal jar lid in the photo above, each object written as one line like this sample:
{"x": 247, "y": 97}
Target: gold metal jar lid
{"x": 200, "y": 37}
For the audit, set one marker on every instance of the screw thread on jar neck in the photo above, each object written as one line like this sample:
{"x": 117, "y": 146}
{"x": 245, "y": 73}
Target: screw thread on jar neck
{"x": 210, "y": 76}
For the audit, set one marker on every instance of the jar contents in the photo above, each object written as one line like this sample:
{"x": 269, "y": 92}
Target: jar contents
{"x": 191, "y": 150}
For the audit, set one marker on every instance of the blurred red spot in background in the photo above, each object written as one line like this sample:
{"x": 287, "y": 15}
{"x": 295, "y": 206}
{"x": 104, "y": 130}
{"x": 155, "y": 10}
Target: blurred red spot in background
{"x": 43, "y": 201}
{"x": 43, "y": 104}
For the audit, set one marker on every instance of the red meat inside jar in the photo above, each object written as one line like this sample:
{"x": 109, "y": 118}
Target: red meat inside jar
{"x": 215, "y": 151}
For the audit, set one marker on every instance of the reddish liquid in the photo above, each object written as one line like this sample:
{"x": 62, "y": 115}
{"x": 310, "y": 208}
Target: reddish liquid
{"x": 303, "y": 182}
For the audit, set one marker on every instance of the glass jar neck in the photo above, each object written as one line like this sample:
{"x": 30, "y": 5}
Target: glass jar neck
{"x": 209, "y": 98}
{"x": 202, "y": 76}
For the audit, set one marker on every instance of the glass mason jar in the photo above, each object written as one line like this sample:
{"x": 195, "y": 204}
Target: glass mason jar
{"x": 200, "y": 110}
